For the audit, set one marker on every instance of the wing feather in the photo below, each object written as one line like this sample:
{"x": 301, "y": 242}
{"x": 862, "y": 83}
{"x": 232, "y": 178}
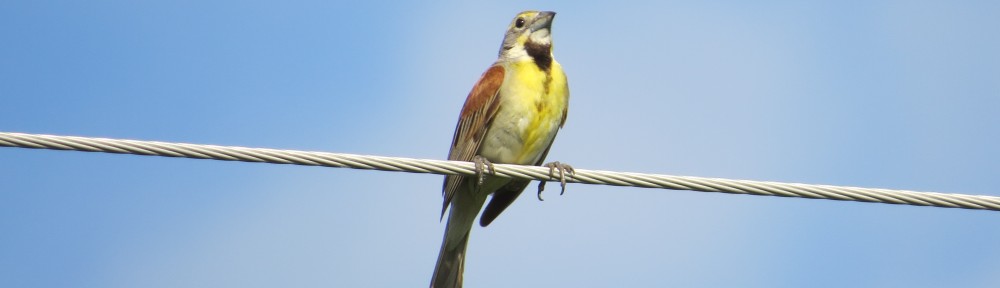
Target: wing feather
{"x": 479, "y": 110}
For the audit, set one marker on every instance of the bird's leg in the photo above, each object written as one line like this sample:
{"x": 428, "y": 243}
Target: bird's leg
{"x": 483, "y": 165}
{"x": 563, "y": 170}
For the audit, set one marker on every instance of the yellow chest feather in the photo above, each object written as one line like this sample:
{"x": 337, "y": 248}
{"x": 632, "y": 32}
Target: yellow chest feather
{"x": 533, "y": 104}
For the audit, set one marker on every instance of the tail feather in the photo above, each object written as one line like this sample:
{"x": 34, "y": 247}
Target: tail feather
{"x": 465, "y": 205}
{"x": 450, "y": 263}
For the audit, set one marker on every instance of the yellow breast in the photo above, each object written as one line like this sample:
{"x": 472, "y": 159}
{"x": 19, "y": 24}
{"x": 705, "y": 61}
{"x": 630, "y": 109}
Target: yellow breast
{"x": 533, "y": 105}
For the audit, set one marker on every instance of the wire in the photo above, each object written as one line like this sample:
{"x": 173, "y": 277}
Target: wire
{"x": 341, "y": 160}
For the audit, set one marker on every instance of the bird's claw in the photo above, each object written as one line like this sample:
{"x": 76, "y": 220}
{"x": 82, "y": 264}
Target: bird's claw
{"x": 483, "y": 166}
{"x": 563, "y": 169}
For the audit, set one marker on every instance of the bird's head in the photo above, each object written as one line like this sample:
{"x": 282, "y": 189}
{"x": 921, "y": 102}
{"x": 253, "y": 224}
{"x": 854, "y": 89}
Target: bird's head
{"x": 529, "y": 34}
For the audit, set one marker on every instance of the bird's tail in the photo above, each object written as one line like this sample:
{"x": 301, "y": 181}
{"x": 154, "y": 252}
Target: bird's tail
{"x": 451, "y": 262}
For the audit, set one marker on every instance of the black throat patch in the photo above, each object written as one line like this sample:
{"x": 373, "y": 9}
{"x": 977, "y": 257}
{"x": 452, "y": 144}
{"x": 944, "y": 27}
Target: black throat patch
{"x": 542, "y": 53}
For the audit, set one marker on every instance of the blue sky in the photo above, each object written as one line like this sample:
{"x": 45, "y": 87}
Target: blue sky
{"x": 888, "y": 94}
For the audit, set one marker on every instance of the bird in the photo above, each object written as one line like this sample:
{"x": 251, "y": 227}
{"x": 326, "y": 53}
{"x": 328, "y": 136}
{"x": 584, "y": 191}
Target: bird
{"x": 511, "y": 116}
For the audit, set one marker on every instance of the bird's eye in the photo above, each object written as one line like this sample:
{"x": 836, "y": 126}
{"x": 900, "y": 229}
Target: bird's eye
{"x": 519, "y": 23}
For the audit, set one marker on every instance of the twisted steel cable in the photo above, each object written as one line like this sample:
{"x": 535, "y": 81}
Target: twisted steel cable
{"x": 231, "y": 153}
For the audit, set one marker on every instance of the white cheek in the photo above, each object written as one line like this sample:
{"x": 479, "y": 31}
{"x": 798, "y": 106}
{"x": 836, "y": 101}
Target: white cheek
{"x": 516, "y": 53}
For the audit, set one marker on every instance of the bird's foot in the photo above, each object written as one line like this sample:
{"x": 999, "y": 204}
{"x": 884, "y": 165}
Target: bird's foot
{"x": 483, "y": 166}
{"x": 563, "y": 169}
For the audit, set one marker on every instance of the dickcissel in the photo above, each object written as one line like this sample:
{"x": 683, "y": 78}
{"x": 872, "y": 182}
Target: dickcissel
{"x": 511, "y": 116}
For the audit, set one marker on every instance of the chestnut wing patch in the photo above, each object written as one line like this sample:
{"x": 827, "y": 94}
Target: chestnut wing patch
{"x": 478, "y": 112}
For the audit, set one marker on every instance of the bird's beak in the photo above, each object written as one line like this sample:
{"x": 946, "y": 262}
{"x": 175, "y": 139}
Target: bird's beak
{"x": 541, "y": 28}
{"x": 543, "y": 20}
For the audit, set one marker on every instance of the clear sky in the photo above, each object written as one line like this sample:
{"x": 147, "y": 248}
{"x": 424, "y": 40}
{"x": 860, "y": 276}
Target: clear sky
{"x": 887, "y": 94}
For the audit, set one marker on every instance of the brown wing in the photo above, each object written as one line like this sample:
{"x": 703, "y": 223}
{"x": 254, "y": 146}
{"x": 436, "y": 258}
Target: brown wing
{"x": 480, "y": 107}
